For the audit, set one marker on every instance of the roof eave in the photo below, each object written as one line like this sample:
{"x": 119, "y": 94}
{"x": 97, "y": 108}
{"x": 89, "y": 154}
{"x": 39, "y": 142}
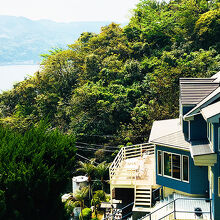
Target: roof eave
{"x": 169, "y": 145}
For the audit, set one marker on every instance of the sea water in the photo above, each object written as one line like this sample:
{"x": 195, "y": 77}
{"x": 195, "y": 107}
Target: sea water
{"x": 11, "y": 74}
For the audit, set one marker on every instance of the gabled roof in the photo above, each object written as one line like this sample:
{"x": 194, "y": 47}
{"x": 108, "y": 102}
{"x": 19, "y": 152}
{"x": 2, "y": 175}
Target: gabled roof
{"x": 205, "y": 102}
{"x": 176, "y": 140}
{"x": 194, "y": 90}
{"x": 169, "y": 133}
{"x": 164, "y": 127}
{"x": 211, "y": 111}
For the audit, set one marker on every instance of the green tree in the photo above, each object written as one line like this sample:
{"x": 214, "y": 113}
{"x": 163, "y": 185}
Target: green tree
{"x": 101, "y": 171}
{"x": 35, "y": 168}
{"x": 88, "y": 169}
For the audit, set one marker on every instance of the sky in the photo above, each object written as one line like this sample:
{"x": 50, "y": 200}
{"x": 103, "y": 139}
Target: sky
{"x": 70, "y": 10}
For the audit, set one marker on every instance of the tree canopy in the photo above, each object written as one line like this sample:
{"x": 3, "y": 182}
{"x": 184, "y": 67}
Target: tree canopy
{"x": 113, "y": 85}
{"x": 35, "y": 167}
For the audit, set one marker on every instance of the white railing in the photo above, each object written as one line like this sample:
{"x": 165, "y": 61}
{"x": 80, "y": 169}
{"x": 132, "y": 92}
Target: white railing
{"x": 129, "y": 152}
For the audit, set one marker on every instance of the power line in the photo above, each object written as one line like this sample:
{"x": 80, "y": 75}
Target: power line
{"x": 85, "y": 158}
{"x": 113, "y": 147}
{"x": 94, "y": 149}
{"x": 109, "y": 136}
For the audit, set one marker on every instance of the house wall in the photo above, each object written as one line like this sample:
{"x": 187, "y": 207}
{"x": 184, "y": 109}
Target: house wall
{"x": 198, "y": 128}
{"x": 184, "y": 110}
{"x": 198, "y": 176}
{"x": 216, "y": 174}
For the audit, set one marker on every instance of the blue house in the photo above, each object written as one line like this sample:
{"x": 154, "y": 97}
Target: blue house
{"x": 187, "y": 149}
{"x": 181, "y": 163}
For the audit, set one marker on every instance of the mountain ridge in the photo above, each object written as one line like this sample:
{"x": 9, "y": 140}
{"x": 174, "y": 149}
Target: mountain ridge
{"x": 22, "y": 40}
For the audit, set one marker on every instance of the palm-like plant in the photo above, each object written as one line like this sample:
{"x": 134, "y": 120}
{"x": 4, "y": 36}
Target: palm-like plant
{"x": 101, "y": 171}
{"x": 88, "y": 169}
{"x": 77, "y": 200}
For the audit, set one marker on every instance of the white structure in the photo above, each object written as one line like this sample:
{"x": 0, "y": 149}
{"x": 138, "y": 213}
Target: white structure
{"x": 78, "y": 182}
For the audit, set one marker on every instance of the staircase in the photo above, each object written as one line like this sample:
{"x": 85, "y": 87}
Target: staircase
{"x": 142, "y": 200}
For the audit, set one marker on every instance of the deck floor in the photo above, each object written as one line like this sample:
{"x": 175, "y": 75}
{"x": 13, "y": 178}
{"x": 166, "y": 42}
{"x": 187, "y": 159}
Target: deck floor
{"x": 136, "y": 171}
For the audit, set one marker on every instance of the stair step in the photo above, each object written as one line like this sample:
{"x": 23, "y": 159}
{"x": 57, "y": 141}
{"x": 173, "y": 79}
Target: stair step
{"x": 143, "y": 196}
{"x": 142, "y": 192}
{"x": 143, "y": 187}
{"x": 142, "y": 199}
{"x": 142, "y": 203}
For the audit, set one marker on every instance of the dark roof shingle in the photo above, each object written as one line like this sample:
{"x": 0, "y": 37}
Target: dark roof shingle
{"x": 194, "y": 90}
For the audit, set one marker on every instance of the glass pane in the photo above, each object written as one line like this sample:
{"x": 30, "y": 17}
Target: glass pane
{"x": 176, "y": 166}
{"x": 185, "y": 168}
{"x": 159, "y": 163}
{"x": 167, "y": 164}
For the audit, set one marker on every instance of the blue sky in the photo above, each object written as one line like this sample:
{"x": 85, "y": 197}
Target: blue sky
{"x": 70, "y": 10}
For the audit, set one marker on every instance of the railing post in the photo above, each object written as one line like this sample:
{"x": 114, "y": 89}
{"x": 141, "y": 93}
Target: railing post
{"x": 174, "y": 208}
{"x": 141, "y": 150}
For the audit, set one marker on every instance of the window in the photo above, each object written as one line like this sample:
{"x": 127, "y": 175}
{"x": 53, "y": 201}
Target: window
{"x": 176, "y": 166}
{"x": 185, "y": 168}
{"x": 159, "y": 162}
{"x": 167, "y": 164}
{"x": 173, "y": 165}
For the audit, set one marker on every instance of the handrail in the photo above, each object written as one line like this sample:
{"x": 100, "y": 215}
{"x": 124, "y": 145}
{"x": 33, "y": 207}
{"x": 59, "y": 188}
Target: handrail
{"x": 112, "y": 215}
{"x": 173, "y": 202}
{"x": 129, "y": 152}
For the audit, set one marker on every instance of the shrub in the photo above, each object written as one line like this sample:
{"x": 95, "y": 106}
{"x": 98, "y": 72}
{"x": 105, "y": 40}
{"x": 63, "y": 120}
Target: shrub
{"x": 87, "y": 214}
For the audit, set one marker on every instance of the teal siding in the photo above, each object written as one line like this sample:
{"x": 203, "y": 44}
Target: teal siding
{"x": 198, "y": 128}
{"x": 185, "y": 109}
{"x": 198, "y": 176}
{"x": 216, "y": 172}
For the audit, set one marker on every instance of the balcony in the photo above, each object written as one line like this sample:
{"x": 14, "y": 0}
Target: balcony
{"x": 134, "y": 167}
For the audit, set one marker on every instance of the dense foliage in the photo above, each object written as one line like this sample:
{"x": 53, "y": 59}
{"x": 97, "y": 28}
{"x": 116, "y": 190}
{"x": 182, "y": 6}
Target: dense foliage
{"x": 105, "y": 89}
{"x": 108, "y": 88}
{"x": 35, "y": 167}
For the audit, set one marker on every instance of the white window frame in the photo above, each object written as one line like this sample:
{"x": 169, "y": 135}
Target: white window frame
{"x": 171, "y": 164}
{"x": 171, "y": 177}
{"x": 161, "y": 163}
{"x": 182, "y": 168}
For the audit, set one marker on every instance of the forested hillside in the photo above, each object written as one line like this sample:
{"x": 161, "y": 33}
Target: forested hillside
{"x": 104, "y": 90}
{"x": 110, "y": 87}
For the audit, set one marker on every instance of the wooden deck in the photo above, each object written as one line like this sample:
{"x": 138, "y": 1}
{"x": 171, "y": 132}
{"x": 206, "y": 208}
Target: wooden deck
{"x": 139, "y": 171}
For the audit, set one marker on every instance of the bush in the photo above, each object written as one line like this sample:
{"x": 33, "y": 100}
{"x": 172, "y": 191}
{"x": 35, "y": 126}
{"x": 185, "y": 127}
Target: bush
{"x": 87, "y": 214}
